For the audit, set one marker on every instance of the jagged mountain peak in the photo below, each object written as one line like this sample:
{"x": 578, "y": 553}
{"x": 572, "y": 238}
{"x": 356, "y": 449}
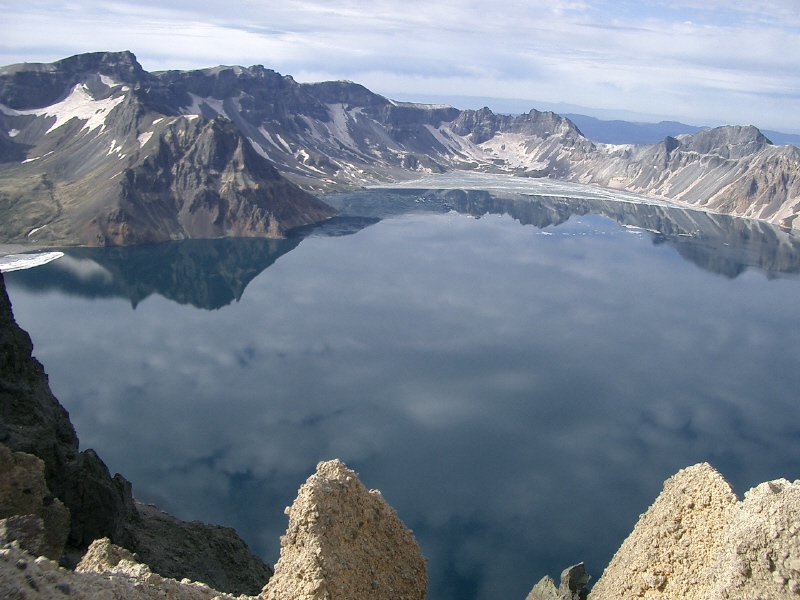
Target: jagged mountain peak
{"x": 345, "y": 92}
{"x": 35, "y": 85}
{"x": 729, "y": 141}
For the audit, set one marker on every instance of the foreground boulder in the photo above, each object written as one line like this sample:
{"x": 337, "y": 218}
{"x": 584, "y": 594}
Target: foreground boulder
{"x": 698, "y": 541}
{"x": 573, "y": 586}
{"x": 344, "y": 542}
{"x": 106, "y": 572}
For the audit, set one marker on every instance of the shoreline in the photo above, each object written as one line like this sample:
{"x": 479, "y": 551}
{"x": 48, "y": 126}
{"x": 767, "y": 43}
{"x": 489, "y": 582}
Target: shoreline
{"x": 6, "y": 249}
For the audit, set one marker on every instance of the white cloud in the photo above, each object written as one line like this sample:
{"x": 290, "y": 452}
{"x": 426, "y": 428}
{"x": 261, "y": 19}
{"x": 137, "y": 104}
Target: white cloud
{"x": 701, "y": 62}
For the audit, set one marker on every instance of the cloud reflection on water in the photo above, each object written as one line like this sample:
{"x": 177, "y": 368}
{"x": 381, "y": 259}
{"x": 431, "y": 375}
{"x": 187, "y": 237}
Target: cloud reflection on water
{"x": 518, "y": 398}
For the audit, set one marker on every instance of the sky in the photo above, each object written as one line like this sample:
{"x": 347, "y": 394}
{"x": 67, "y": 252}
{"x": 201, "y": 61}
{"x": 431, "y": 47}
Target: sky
{"x": 703, "y": 62}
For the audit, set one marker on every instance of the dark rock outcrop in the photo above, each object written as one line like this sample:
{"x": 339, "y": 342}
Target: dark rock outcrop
{"x": 212, "y": 554}
{"x": 33, "y": 422}
{"x": 574, "y": 580}
{"x": 29, "y": 510}
{"x": 204, "y": 181}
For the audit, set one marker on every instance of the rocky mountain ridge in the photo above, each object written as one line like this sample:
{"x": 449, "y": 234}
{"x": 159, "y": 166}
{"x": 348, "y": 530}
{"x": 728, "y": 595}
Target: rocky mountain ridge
{"x": 105, "y": 166}
{"x": 95, "y": 150}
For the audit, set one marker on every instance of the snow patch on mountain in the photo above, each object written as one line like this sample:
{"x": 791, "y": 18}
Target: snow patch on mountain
{"x": 114, "y": 147}
{"x": 422, "y": 106}
{"x": 145, "y": 137}
{"x": 79, "y": 104}
{"x": 196, "y": 107}
{"x": 281, "y": 147}
{"x": 110, "y": 83}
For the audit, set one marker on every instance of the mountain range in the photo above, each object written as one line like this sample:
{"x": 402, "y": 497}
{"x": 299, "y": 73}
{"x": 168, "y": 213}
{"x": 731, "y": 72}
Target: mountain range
{"x": 94, "y": 150}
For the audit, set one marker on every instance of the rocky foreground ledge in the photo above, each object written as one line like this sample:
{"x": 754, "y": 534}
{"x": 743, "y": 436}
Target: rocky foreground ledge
{"x": 698, "y": 541}
{"x": 70, "y": 530}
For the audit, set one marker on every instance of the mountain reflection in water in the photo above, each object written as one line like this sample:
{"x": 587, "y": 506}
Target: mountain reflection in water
{"x": 517, "y": 385}
{"x": 213, "y": 273}
{"x": 203, "y": 273}
{"x": 717, "y": 243}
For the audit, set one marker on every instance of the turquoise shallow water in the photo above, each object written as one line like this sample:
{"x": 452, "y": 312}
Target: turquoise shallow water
{"x": 517, "y": 375}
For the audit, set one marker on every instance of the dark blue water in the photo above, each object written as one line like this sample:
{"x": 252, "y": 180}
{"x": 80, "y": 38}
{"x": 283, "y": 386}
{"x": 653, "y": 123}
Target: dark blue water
{"x": 517, "y": 385}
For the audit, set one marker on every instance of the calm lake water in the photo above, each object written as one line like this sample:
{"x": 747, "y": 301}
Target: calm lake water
{"x": 518, "y": 385}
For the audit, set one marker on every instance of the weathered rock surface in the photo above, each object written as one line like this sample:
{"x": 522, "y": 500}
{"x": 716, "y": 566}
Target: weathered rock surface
{"x": 573, "y": 586}
{"x": 26, "y": 530}
{"x": 212, "y": 554}
{"x": 34, "y": 423}
{"x": 23, "y": 491}
{"x": 178, "y": 154}
{"x": 106, "y": 162}
{"x": 698, "y": 541}
{"x": 760, "y": 554}
{"x": 345, "y": 542}
{"x": 107, "y": 572}
{"x": 545, "y": 589}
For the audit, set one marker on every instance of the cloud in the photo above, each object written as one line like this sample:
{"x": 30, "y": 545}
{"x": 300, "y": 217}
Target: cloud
{"x": 703, "y": 62}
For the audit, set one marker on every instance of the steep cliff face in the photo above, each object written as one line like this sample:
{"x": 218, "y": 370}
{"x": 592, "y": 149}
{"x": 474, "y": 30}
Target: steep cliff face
{"x": 106, "y": 164}
{"x": 33, "y": 422}
{"x": 730, "y": 170}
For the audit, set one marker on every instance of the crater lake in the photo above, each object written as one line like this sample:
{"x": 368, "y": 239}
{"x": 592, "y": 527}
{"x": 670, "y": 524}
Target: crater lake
{"x": 517, "y": 366}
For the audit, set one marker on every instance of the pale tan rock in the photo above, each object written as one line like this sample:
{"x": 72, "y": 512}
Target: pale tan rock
{"x": 104, "y": 557}
{"x": 23, "y": 491}
{"x": 344, "y": 543}
{"x": 760, "y": 557}
{"x": 698, "y": 541}
{"x": 672, "y": 550}
{"x": 111, "y": 573}
{"x": 545, "y": 589}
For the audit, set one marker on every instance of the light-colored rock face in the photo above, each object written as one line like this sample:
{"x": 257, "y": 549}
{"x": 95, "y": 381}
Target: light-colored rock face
{"x": 344, "y": 542}
{"x": 697, "y": 541}
{"x": 108, "y": 573}
{"x": 760, "y": 557}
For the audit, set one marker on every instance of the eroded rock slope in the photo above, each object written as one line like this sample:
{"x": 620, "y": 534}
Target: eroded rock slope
{"x": 699, "y": 541}
{"x": 95, "y": 150}
{"x": 106, "y": 164}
